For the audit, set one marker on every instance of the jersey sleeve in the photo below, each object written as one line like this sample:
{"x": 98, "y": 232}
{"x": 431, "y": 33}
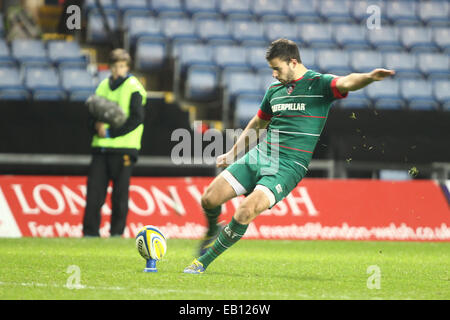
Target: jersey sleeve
{"x": 329, "y": 88}
{"x": 265, "y": 111}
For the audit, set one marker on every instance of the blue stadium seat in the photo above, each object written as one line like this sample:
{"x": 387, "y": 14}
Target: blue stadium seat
{"x": 44, "y": 84}
{"x": 5, "y": 55}
{"x": 201, "y": 83}
{"x": 214, "y": 31}
{"x": 277, "y": 29}
{"x": 355, "y": 100}
{"x": 385, "y": 39}
{"x": 441, "y": 92}
{"x": 365, "y": 61}
{"x": 265, "y": 79}
{"x": 316, "y": 35}
{"x": 164, "y": 6}
{"x": 79, "y": 84}
{"x": 351, "y": 36}
{"x": 308, "y": 57}
{"x": 142, "y": 26}
{"x": 29, "y": 51}
{"x": 242, "y": 83}
{"x": 434, "y": 13}
{"x": 441, "y": 37}
{"x": 246, "y": 107}
{"x": 334, "y": 61}
{"x": 435, "y": 65}
{"x": 238, "y": 8}
{"x": 419, "y": 94}
{"x": 65, "y": 52}
{"x": 230, "y": 56}
{"x": 401, "y": 12}
{"x": 246, "y": 32}
{"x": 335, "y": 11}
{"x": 302, "y": 11}
{"x": 96, "y": 32}
{"x": 189, "y": 54}
{"x": 124, "y": 5}
{"x": 404, "y": 64}
{"x": 268, "y": 9}
{"x": 195, "y": 7}
{"x": 256, "y": 57}
{"x": 179, "y": 29}
{"x": 106, "y": 4}
{"x": 150, "y": 54}
{"x": 359, "y": 8}
{"x": 385, "y": 94}
{"x": 418, "y": 39}
{"x": 11, "y": 85}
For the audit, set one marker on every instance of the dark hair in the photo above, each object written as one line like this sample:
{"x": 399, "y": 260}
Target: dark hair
{"x": 283, "y": 49}
{"x": 119, "y": 55}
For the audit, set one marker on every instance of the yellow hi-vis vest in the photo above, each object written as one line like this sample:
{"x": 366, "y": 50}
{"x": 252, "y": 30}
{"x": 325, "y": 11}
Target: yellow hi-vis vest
{"x": 121, "y": 96}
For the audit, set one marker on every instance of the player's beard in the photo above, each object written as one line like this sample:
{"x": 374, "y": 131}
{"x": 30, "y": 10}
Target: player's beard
{"x": 289, "y": 77}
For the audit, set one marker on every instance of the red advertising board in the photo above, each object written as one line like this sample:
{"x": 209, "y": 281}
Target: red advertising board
{"x": 360, "y": 209}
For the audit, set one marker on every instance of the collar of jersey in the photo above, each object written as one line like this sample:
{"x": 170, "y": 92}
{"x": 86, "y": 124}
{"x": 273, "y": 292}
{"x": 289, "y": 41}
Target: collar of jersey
{"x": 294, "y": 81}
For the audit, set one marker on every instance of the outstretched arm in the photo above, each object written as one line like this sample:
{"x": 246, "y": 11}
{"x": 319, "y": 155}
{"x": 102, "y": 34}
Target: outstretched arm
{"x": 356, "y": 81}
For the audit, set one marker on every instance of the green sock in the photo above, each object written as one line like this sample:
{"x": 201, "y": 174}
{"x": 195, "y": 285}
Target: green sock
{"x": 229, "y": 236}
{"x": 212, "y": 216}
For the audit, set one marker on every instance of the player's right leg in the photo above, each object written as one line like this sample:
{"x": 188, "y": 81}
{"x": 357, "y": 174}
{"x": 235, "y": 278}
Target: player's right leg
{"x": 217, "y": 193}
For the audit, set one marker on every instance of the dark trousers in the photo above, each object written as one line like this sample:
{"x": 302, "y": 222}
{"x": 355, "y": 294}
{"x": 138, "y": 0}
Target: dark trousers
{"x": 103, "y": 168}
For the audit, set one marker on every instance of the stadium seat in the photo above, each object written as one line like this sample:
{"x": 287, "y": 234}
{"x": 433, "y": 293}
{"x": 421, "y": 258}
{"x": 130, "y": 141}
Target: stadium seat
{"x": 142, "y": 26}
{"x": 96, "y": 32}
{"x": 201, "y": 83}
{"x": 308, "y": 57}
{"x": 246, "y": 107}
{"x": 355, "y": 100}
{"x": 106, "y": 4}
{"x": 404, "y": 64}
{"x": 235, "y": 8}
{"x": 65, "y": 52}
{"x": 419, "y": 94}
{"x": 401, "y": 12}
{"x": 214, "y": 31}
{"x": 150, "y": 54}
{"x": 189, "y": 54}
{"x": 29, "y": 51}
{"x": 265, "y": 78}
{"x": 268, "y": 9}
{"x": 441, "y": 90}
{"x": 385, "y": 39}
{"x": 302, "y": 11}
{"x": 316, "y": 35}
{"x": 434, "y": 13}
{"x": 434, "y": 65}
{"x": 365, "y": 61}
{"x": 334, "y": 61}
{"x": 79, "y": 84}
{"x": 195, "y": 7}
{"x": 351, "y": 37}
{"x": 179, "y": 29}
{"x": 441, "y": 37}
{"x": 248, "y": 32}
{"x": 418, "y": 39}
{"x": 335, "y": 11}
{"x": 359, "y": 8}
{"x": 256, "y": 57}
{"x": 124, "y": 5}
{"x": 230, "y": 56}
{"x": 385, "y": 94}
{"x": 164, "y": 7}
{"x": 276, "y": 29}
{"x": 5, "y": 56}
{"x": 11, "y": 85}
{"x": 237, "y": 83}
{"x": 44, "y": 83}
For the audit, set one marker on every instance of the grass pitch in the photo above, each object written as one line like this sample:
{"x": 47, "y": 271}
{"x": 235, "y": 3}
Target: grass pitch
{"x": 64, "y": 268}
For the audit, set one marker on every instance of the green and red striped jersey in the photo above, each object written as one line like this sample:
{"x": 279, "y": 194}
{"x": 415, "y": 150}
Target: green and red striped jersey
{"x": 297, "y": 112}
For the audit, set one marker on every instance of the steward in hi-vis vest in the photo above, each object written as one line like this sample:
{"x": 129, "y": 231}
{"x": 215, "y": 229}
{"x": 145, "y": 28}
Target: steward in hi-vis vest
{"x": 114, "y": 149}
